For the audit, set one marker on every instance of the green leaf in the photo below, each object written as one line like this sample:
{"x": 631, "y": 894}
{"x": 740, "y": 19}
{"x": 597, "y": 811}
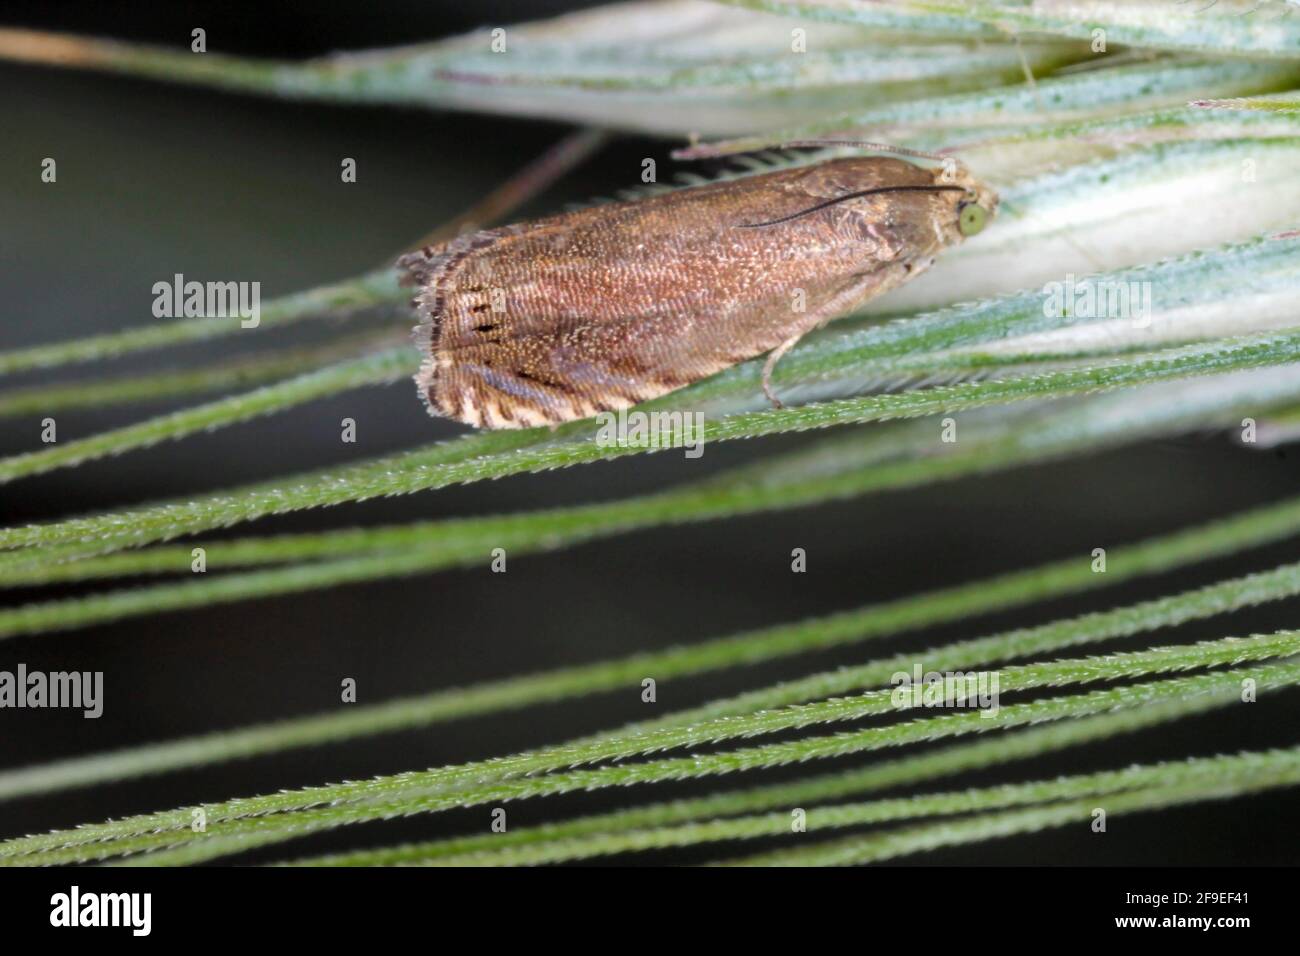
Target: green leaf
{"x": 380, "y": 368}
{"x": 1247, "y": 28}
{"x": 1279, "y": 772}
{"x": 169, "y": 383}
{"x": 1196, "y": 778}
{"x": 376, "y": 288}
{"x": 245, "y": 822}
{"x": 889, "y": 619}
{"x": 650, "y": 67}
{"x": 949, "y": 122}
{"x": 912, "y": 770}
{"x": 441, "y": 465}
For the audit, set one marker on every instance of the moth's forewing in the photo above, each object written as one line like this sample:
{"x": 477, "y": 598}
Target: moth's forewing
{"x": 605, "y": 307}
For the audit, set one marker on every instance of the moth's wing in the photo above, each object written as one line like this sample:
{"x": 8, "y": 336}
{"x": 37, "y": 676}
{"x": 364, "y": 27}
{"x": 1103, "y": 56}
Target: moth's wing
{"x": 518, "y": 370}
{"x": 598, "y": 310}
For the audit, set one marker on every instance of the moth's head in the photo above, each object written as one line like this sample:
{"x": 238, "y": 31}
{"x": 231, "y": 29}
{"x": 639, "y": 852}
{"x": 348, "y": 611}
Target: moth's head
{"x": 972, "y": 206}
{"x": 922, "y": 208}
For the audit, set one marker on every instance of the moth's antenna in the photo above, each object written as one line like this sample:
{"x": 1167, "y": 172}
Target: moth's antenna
{"x": 877, "y": 148}
{"x": 859, "y": 144}
{"x": 857, "y": 195}
{"x": 699, "y": 151}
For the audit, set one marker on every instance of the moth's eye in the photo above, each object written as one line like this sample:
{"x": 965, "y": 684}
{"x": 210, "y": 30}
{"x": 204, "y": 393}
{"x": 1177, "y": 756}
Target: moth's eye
{"x": 971, "y": 218}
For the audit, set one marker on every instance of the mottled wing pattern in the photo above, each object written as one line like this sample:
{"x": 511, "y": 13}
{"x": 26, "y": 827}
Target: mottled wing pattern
{"x": 600, "y": 309}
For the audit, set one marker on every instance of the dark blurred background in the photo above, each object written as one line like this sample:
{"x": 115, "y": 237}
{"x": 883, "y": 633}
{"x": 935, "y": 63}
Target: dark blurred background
{"x": 155, "y": 179}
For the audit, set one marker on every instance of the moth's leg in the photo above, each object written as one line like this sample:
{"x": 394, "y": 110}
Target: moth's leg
{"x": 845, "y": 301}
{"x": 775, "y": 356}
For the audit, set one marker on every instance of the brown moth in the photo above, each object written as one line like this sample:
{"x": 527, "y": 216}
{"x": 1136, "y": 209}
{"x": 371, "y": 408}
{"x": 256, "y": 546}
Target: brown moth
{"x": 595, "y": 310}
